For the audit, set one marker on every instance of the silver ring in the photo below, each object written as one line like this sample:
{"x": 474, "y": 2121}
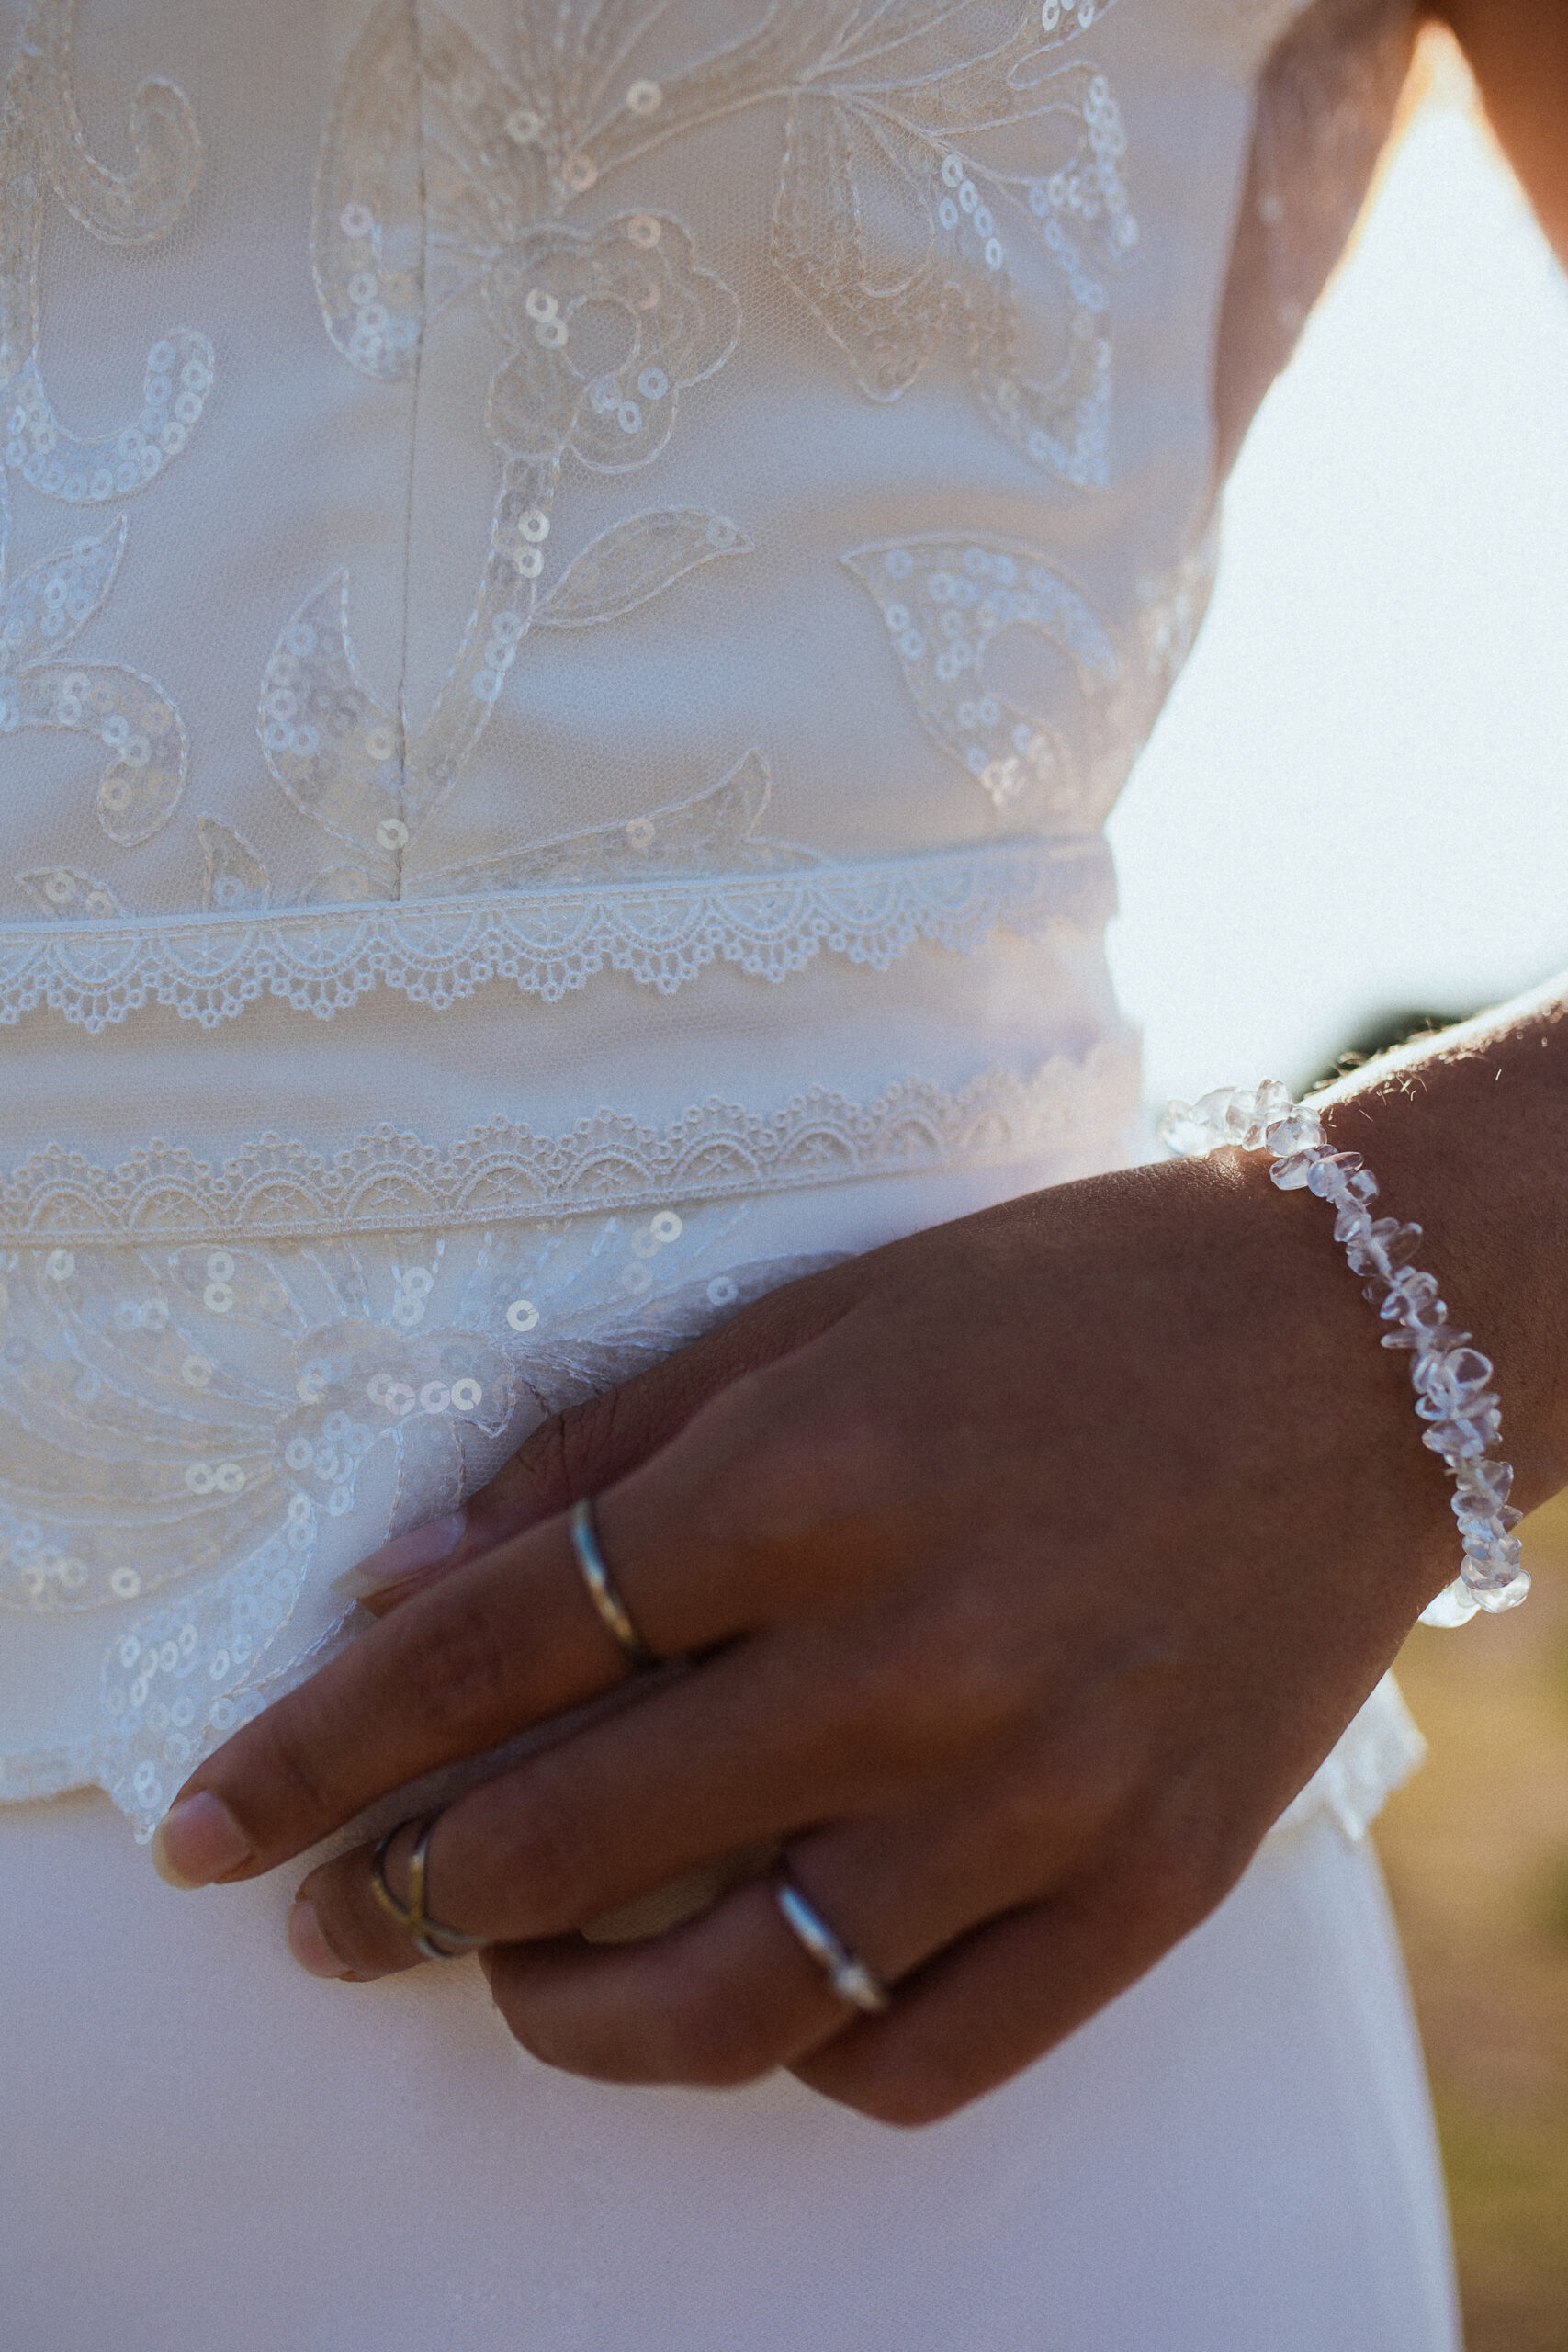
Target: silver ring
{"x": 850, "y": 1977}
{"x": 611, "y": 1611}
{"x": 428, "y": 1937}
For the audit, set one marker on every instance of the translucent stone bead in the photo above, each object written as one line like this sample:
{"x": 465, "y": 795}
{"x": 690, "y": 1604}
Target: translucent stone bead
{"x": 1387, "y": 1246}
{"x": 1448, "y": 1372}
{"x": 1442, "y": 1339}
{"x": 1296, "y": 1130}
{"x": 1455, "y": 1605}
{"x": 1463, "y": 1439}
{"x": 1446, "y": 1384}
{"x": 1508, "y": 1596}
{"x": 1330, "y": 1178}
{"x": 1492, "y": 1479}
{"x": 1412, "y": 1300}
{"x": 1491, "y": 1554}
{"x": 1226, "y": 1113}
{"x": 1464, "y": 1371}
{"x": 1472, "y": 1510}
{"x": 1183, "y": 1131}
{"x": 1272, "y": 1103}
{"x": 1295, "y": 1172}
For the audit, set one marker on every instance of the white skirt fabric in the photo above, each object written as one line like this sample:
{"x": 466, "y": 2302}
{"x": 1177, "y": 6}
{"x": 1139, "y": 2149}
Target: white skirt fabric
{"x": 205, "y": 2150}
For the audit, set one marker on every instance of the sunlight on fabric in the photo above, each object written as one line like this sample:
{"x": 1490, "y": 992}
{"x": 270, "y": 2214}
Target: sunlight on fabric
{"x": 1358, "y": 800}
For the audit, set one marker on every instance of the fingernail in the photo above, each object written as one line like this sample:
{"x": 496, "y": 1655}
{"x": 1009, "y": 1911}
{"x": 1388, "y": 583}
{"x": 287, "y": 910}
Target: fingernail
{"x": 307, "y": 1944}
{"x": 404, "y": 1557}
{"x": 198, "y": 1841}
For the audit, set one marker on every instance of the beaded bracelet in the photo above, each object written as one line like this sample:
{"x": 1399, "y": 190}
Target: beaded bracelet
{"x": 1449, "y": 1375}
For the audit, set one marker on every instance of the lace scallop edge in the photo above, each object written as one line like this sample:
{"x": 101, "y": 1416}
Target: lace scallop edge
{"x": 550, "y": 942}
{"x": 391, "y": 1180}
{"x": 1377, "y": 1754}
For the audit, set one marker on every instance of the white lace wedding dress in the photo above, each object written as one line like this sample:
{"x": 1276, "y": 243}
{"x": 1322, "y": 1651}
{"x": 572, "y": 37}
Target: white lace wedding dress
{"x": 581, "y": 582}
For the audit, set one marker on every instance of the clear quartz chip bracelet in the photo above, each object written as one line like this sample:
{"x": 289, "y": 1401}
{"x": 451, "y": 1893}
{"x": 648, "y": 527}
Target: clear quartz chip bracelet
{"x": 1449, "y": 1375}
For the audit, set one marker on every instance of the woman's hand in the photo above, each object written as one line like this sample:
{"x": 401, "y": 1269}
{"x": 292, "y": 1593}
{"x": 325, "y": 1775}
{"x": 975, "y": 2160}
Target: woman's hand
{"x": 1029, "y": 1568}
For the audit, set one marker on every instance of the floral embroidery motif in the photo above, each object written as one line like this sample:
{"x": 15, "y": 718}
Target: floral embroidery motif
{"x": 235, "y": 880}
{"x": 238, "y": 1402}
{"x": 398, "y": 199}
{"x": 715, "y": 829}
{"x": 878, "y": 100}
{"x": 71, "y": 896}
{"x": 43, "y": 150}
{"x": 944, "y": 601}
{"x": 438, "y": 173}
{"x": 917, "y": 85}
{"x": 680, "y": 324}
{"x": 41, "y": 615}
{"x": 344, "y": 757}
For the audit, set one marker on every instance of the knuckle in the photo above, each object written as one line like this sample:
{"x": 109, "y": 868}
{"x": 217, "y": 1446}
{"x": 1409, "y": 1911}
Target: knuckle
{"x": 699, "y": 2020}
{"x": 360, "y": 1940}
{"x": 546, "y": 1857}
{"x": 709, "y": 2026}
{"x": 906, "y": 2091}
{"x": 570, "y": 1453}
{"x": 924, "y": 1691}
{"x": 590, "y": 1440}
{"x": 775, "y": 1454}
{"x": 278, "y": 1781}
{"x": 539, "y": 1476}
{"x": 459, "y": 1669}
{"x": 715, "y": 2051}
{"x": 636, "y": 2038}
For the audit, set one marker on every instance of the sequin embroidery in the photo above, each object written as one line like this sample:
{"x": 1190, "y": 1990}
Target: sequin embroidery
{"x": 42, "y": 151}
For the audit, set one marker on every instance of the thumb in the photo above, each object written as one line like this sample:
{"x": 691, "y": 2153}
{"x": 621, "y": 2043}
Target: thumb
{"x": 591, "y": 1445}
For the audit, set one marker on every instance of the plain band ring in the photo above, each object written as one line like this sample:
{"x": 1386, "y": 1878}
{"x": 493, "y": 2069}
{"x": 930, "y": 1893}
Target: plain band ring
{"x": 610, "y": 1609}
{"x": 411, "y": 1915}
{"x": 850, "y": 1977}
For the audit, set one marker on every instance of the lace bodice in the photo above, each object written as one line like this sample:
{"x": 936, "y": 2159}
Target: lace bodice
{"x": 580, "y": 583}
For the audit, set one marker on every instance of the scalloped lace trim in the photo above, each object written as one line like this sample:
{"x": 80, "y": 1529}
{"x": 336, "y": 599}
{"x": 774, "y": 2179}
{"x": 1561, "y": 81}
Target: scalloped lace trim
{"x": 437, "y": 951}
{"x": 1375, "y": 1756}
{"x": 394, "y": 1181}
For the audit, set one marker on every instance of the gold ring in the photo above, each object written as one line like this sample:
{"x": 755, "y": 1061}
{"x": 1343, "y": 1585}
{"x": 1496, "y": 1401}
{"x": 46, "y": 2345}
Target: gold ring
{"x": 411, "y": 1915}
{"x": 610, "y": 1609}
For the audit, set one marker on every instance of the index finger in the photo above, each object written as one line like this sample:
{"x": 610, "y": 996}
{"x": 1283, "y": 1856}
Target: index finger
{"x": 501, "y": 1645}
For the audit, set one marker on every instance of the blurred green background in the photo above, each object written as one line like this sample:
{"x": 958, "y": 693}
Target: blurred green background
{"x": 1475, "y": 1849}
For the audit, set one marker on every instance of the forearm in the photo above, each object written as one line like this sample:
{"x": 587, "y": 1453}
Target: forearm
{"x": 1517, "y": 49}
{"x": 1467, "y": 1133}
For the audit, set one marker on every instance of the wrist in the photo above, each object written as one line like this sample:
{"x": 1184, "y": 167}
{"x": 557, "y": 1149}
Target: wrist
{"x": 1449, "y": 1376}
{"x": 1468, "y": 1135}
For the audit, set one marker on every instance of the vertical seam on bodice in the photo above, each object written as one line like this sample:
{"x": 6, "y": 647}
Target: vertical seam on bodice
{"x": 405, "y": 624}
